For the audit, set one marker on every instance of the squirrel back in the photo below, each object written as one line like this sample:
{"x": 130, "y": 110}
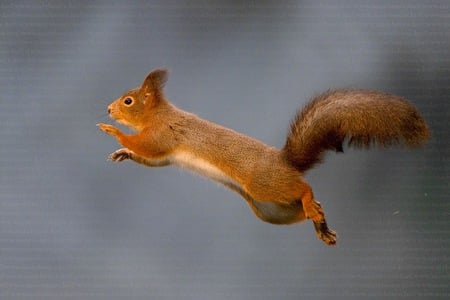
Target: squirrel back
{"x": 360, "y": 117}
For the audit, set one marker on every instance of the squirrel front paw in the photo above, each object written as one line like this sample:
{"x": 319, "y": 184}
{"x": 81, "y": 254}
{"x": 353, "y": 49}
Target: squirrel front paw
{"x": 109, "y": 129}
{"x": 120, "y": 155}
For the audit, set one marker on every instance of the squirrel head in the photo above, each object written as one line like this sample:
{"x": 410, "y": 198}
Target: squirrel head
{"x": 136, "y": 106}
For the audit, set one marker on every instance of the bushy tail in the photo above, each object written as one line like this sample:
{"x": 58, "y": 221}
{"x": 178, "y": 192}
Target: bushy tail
{"x": 363, "y": 118}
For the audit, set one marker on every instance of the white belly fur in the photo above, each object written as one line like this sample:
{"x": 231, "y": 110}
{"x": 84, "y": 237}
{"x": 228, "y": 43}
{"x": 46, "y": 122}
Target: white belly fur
{"x": 203, "y": 167}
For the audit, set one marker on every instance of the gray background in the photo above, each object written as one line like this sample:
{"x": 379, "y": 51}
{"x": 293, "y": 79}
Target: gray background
{"x": 74, "y": 226}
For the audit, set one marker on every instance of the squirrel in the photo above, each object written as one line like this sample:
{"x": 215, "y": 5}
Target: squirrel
{"x": 269, "y": 179}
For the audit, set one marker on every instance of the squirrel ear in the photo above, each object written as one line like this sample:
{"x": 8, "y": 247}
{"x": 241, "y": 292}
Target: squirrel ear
{"x": 155, "y": 81}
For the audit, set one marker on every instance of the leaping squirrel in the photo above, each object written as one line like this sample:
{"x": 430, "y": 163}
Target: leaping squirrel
{"x": 269, "y": 179}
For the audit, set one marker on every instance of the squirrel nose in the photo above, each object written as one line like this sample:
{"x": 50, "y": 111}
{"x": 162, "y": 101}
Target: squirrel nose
{"x": 109, "y": 109}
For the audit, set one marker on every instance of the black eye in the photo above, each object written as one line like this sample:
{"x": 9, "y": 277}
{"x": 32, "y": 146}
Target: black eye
{"x": 128, "y": 101}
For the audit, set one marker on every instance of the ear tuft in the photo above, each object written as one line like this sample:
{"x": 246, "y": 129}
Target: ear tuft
{"x": 155, "y": 81}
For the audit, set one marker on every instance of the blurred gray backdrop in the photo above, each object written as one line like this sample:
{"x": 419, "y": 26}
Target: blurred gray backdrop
{"x": 74, "y": 226}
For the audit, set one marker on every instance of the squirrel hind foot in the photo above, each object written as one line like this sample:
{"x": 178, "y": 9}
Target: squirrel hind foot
{"x": 324, "y": 233}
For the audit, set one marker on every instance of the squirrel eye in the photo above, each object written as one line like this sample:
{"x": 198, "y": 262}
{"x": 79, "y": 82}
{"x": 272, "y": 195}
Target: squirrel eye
{"x": 128, "y": 101}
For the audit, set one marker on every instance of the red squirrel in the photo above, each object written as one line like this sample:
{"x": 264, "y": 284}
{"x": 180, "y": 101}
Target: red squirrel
{"x": 269, "y": 179}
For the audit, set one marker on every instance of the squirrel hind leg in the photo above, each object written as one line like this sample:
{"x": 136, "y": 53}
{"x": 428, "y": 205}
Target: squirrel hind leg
{"x": 313, "y": 211}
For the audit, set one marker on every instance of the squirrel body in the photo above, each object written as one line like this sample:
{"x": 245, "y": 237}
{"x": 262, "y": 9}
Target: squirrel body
{"x": 269, "y": 179}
